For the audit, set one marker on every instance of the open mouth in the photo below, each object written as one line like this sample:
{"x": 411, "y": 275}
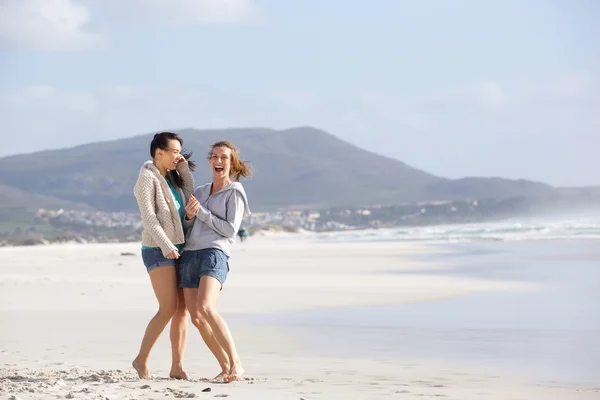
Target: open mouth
{"x": 219, "y": 169}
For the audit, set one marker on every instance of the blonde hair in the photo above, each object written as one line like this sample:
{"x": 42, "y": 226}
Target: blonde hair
{"x": 239, "y": 168}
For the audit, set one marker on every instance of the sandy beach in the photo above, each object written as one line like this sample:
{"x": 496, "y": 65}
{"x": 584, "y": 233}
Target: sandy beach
{"x": 73, "y": 316}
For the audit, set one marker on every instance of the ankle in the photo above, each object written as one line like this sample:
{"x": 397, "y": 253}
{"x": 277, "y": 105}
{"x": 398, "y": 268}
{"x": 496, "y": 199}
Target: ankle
{"x": 140, "y": 360}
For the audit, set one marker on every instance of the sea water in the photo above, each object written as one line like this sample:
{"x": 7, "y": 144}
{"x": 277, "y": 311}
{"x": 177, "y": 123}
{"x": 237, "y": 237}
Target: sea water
{"x": 552, "y": 334}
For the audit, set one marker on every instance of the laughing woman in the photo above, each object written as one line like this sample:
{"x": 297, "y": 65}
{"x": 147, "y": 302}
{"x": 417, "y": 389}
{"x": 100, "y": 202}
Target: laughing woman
{"x": 217, "y": 210}
{"x": 164, "y": 186}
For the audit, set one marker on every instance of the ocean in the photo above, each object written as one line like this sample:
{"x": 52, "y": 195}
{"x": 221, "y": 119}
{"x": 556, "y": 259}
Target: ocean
{"x": 550, "y": 335}
{"x": 518, "y": 229}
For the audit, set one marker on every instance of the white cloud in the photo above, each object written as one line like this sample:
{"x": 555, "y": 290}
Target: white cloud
{"x": 63, "y": 25}
{"x": 188, "y": 12}
{"x": 548, "y": 132}
{"x": 46, "y": 25}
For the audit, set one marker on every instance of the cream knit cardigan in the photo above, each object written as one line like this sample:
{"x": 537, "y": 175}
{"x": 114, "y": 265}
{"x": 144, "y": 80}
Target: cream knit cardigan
{"x": 162, "y": 224}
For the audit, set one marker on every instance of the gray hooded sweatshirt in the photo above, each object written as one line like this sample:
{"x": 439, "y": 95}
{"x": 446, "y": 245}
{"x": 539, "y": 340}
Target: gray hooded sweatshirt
{"x": 219, "y": 217}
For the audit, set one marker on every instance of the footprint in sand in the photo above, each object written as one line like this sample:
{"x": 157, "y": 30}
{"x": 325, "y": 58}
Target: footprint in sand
{"x": 179, "y": 394}
{"x": 310, "y": 381}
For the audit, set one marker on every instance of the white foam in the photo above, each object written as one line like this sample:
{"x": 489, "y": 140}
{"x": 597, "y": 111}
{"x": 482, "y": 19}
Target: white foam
{"x": 512, "y": 230}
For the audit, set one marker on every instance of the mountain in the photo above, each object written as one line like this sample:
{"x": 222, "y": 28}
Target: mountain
{"x": 11, "y": 197}
{"x": 299, "y": 167}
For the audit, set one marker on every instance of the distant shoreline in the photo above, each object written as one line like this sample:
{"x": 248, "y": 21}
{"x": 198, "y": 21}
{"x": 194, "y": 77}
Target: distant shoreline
{"x": 525, "y": 229}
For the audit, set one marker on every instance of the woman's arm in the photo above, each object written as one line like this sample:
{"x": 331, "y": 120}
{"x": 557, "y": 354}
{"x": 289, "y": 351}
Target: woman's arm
{"x": 235, "y": 214}
{"x": 187, "y": 186}
{"x": 144, "y": 195}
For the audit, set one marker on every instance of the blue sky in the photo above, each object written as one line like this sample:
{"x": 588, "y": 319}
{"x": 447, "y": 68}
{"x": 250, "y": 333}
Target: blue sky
{"x": 457, "y": 88}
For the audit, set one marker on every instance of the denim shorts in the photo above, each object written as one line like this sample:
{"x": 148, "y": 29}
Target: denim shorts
{"x": 153, "y": 258}
{"x": 195, "y": 264}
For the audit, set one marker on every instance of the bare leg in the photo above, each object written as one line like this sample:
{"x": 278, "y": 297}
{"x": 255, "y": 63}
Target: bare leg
{"x": 164, "y": 283}
{"x": 179, "y": 328}
{"x": 191, "y": 297}
{"x": 207, "y": 296}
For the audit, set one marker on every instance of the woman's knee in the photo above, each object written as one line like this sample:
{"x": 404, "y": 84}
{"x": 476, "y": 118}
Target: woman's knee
{"x": 206, "y": 310}
{"x": 182, "y": 308}
{"x": 181, "y": 312}
{"x": 198, "y": 320}
{"x": 168, "y": 309}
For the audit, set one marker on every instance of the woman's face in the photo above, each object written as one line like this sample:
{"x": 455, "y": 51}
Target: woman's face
{"x": 171, "y": 156}
{"x": 220, "y": 162}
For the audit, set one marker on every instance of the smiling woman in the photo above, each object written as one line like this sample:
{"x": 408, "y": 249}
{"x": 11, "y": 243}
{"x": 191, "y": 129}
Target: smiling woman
{"x": 225, "y": 161}
{"x": 217, "y": 210}
{"x": 164, "y": 185}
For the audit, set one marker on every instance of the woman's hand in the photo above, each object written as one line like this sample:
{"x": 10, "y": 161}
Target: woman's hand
{"x": 173, "y": 254}
{"x": 191, "y": 208}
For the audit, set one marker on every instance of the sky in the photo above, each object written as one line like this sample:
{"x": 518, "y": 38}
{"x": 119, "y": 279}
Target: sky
{"x": 507, "y": 88}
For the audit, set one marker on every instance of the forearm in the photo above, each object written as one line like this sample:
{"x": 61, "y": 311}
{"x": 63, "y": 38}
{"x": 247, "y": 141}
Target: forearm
{"x": 158, "y": 234}
{"x": 188, "y": 223}
{"x": 150, "y": 221}
{"x": 221, "y": 226}
{"x": 187, "y": 178}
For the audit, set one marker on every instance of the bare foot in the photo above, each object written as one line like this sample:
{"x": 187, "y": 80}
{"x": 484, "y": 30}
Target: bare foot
{"x": 222, "y": 376}
{"x": 141, "y": 368}
{"x": 235, "y": 373}
{"x": 178, "y": 373}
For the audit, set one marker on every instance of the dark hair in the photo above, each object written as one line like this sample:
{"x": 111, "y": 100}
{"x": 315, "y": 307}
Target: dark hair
{"x": 239, "y": 168}
{"x": 161, "y": 141}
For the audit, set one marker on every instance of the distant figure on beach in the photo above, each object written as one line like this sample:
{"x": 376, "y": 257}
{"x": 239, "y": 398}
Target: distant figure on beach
{"x": 163, "y": 188}
{"x": 216, "y": 210}
{"x": 243, "y": 233}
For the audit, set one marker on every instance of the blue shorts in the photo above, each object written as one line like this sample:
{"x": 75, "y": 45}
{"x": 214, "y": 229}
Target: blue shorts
{"x": 194, "y": 264}
{"x": 153, "y": 258}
